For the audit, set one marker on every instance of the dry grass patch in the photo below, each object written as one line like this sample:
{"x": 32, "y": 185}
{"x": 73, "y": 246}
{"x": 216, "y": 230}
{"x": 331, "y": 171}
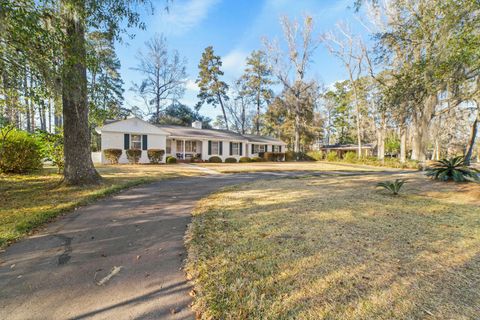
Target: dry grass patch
{"x": 337, "y": 248}
{"x": 27, "y": 201}
{"x": 289, "y": 166}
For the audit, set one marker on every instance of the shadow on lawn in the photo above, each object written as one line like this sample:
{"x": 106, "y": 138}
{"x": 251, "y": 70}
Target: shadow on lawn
{"x": 336, "y": 248}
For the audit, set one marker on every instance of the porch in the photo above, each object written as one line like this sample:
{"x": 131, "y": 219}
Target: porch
{"x": 184, "y": 149}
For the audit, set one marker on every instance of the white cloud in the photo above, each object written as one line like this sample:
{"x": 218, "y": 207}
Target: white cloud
{"x": 234, "y": 63}
{"x": 190, "y": 85}
{"x": 184, "y": 15}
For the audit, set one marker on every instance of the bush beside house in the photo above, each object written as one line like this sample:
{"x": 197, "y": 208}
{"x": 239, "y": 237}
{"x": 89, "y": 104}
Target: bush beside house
{"x": 133, "y": 155}
{"x": 215, "y": 159}
{"x": 230, "y": 160}
{"x": 171, "y": 160}
{"x": 244, "y": 160}
{"x": 112, "y": 155}
{"x": 155, "y": 155}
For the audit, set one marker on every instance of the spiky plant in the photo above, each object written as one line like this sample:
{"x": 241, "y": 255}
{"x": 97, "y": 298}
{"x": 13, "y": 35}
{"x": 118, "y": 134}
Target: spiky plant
{"x": 453, "y": 169}
{"x": 392, "y": 186}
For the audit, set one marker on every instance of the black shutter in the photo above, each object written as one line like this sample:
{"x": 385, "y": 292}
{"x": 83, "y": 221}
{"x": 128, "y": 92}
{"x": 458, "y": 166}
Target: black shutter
{"x": 126, "y": 141}
{"x": 241, "y": 148}
{"x": 279, "y": 148}
{"x": 231, "y": 148}
{"x": 253, "y": 148}
{"x": 220, "y": 146}
{"x": 144, "y": 142}
{"x": 209, "y": 147}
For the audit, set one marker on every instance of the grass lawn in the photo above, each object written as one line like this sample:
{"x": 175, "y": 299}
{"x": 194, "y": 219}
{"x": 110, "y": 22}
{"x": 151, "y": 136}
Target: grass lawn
{"x": 27, "y": 201}
{"x": 288, "y": 166}
{"x": 337, "y": 248}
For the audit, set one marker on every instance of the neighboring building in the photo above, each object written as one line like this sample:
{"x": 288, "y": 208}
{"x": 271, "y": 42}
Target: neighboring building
{"x": 367, "y": 149}
{"x": 182, "y": 142}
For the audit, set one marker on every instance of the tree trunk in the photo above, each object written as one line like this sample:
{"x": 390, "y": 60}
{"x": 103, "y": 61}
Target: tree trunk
{"x": 381, "y": 139}
{"x": 420, "y": 131}
{"x": 223, "y": 110}
{"x": 403, "y": 144}
{"x": 257, "y": 122}
{"x": 473, "y": 135}
{"x": 79, "y": 169}
{"x": 296, "y": 146}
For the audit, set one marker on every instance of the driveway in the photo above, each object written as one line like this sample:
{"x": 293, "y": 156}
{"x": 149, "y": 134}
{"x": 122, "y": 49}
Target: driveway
{"x": 120, "y": 258}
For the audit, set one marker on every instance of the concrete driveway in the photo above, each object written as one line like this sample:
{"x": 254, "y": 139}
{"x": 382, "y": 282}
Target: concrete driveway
{"x": 120, "y": 258}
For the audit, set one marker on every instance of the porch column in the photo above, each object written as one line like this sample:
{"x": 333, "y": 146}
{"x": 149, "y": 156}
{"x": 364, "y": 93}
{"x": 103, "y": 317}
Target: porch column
{"x": 183, "y": 149}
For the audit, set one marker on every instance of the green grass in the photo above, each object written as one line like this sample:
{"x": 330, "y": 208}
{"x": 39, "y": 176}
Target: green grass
{"x": 28, "y": 201}
{"x": 337, "y": 248}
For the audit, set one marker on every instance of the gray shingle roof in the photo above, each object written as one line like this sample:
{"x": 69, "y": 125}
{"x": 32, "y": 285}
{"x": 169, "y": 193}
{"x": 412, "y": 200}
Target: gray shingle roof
{"x": 180, "y": 131}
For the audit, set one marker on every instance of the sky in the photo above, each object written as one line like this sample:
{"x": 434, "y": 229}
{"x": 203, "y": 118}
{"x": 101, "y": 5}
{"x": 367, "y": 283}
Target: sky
{"x": 234, "y": 29}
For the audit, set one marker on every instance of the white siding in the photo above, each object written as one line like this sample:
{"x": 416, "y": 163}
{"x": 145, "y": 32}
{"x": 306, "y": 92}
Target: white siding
{"x": 115, "y": 140}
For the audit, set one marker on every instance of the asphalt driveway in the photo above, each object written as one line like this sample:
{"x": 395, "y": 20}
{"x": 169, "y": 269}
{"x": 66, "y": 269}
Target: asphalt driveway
{"x": 120, "y": 258}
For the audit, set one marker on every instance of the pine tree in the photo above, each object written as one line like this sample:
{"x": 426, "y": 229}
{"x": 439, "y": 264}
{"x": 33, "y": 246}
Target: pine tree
{"x": 257, "y": 80}
{"x": 212, "y": 90}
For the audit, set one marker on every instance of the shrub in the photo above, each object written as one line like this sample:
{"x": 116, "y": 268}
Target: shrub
{"x": 315, "y": 155}
{"x": 453, "y": 169}
{"x": 257, "y": 159}
{"x": 230, "y": 160}
{"x": 332, "y": 156}
{"x": 52, "y": 147}
{"x": 155, "y": 155}
{"x": 296, "y": 156}
{"x": 215, "y": 159}
{"x": 112, "y": 155}
{"x": 133, "y": 155}
{"x": 392, "y": 186}
{"x": 171, "y": 159}
{"x": 244, "y": 159}
{"x": 20, "y": 152}
{"x": 274, "y": 156}
{"x": 350, "y": 156}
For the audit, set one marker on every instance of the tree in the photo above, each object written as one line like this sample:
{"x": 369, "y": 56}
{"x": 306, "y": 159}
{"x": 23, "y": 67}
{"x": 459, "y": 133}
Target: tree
{"x": 238, "y": 108}
{"x": 301, "y": 45}
{"x": 212, "y": 89}
{"x": 180, "y": 114}
{"x": 165, "y": 75}
{"x": 257, "y": 80}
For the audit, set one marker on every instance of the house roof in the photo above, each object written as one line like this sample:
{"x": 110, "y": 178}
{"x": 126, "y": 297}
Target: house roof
{"x": 189, "y": 132}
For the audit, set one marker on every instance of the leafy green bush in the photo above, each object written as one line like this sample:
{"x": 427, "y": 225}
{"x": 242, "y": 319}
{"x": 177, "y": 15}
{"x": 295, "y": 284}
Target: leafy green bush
{"x": 171, "y": 160}
{"x": 20, "y": 152}
{"x": 332, "y": 156}
{"x": 453, "y": 169}
{"x": 244, "y": 159}
{"x": 155, "y": 155}
{"x": 350, "y": 156}
{"x": 230, "y": 160}
{"x": 52, "y": 147}
{"x": 392, "y": 186}
{"x": 215, "y": 159}
{"x": 112, "y": 155}
{"x": 257, "y": 159}
{"x": 315, "y": 155}
{"x": 133, "y": 155}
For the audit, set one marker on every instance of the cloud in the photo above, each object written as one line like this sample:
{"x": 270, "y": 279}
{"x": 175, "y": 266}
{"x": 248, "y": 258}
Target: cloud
{"x": 190, "y": 85}
{"x": 234, "y": 63}
{"x": 184, "y": 15}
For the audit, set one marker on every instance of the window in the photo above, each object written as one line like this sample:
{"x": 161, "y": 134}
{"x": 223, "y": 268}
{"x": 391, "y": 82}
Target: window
{"x": 190, "y": 146}
{"x": 215, "y": 147}
{"x": 276, "y": 148}
{"x": 169, "y": 146}
{"x": 258, "y": 148}
{"x": 235, "y": 149}
{"x": 135, "y": 141}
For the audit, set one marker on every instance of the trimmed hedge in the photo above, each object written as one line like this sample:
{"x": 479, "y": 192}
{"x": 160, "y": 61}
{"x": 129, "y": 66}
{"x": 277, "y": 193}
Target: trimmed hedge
{"x": 257, "y": 159}
{"x": 19, "y": 152}
{"x": 133, "y": 155}
{"x": 215, "y": 159}
{"x": 171, "y": 159}
{"x": 230, "y": 160}
{"x": 244, "y": 160}
{"x": 112, "y": 155}
{"x": 155, "y": 155}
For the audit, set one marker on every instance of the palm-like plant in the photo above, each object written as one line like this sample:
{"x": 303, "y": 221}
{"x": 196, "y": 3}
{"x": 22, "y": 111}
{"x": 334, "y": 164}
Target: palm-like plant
{"x": 453, "y": 169}
{"x": 392, "y": 186}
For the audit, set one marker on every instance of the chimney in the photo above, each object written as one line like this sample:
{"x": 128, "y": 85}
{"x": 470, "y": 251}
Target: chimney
{"x": 197, "y": 124}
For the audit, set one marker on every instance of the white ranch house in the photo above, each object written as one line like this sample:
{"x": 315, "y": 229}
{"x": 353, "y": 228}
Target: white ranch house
{"x": 182, "y": 142}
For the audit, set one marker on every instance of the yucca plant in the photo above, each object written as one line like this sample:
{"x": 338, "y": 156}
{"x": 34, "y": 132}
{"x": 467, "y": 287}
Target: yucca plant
{"x": 453, "y": 169}
{"x": 392, "y": 186}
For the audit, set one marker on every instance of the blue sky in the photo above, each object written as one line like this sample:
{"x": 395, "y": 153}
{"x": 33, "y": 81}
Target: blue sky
{"x": 234, "y": 29}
